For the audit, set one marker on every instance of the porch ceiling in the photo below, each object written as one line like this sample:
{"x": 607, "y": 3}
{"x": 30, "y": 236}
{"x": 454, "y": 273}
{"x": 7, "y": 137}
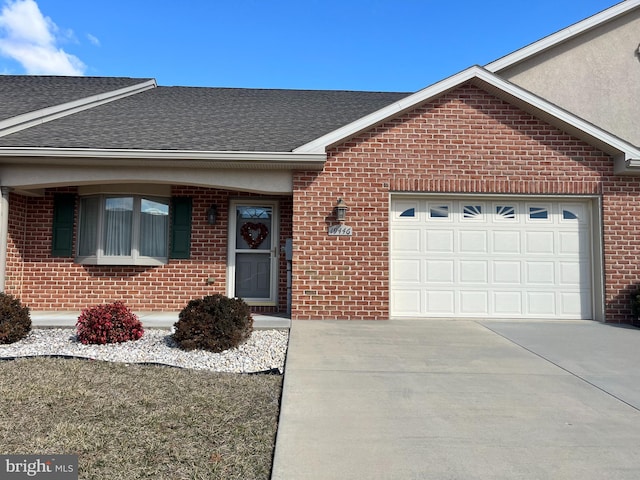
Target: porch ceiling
{"x": 253, "y": 172}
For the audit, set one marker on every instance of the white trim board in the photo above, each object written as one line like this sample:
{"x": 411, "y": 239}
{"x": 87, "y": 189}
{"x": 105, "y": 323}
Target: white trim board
{"x": 27, "y": 120}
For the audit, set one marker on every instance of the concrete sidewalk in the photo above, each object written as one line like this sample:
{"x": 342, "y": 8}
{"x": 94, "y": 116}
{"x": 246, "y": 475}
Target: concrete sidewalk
{"x": 57, "y": 319}
{"x": 430, "y": 399}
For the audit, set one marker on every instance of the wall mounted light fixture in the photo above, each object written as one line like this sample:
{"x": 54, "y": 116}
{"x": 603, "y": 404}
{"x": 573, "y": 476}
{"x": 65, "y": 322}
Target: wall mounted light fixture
{"x": 212, "y": 215}
{"x": 341, "y": 210}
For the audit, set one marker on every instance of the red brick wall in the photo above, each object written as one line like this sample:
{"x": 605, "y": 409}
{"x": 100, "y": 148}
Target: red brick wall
{"x": 466, "y": 141}
{"x": 47, "y": 283}
{"x": 16, "y": 240}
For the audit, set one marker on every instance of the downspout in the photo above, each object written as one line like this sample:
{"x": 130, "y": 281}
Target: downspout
{"x": 288, "y": 253}
{"x": 4, "y": 234}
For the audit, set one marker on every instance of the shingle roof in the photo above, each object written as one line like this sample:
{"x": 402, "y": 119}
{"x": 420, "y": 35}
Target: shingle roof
{"x": 206, "y": 119}
{"x": 23, "y": 94}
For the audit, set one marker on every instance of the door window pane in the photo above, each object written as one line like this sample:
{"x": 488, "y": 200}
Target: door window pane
{"x": 253, "y": 228}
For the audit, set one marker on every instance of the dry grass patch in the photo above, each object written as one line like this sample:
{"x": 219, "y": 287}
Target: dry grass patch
{"x": 140, "y": 421}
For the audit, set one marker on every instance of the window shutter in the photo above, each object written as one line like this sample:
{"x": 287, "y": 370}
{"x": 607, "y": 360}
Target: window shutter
{"x": 181, "y": 228}
{"x": 64, "y": 207}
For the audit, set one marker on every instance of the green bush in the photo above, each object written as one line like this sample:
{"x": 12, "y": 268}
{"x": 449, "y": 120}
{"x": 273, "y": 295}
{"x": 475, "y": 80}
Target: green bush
{"x": 108, "y": 323}
{"x": 215, "y": 323}
{"x": 15, "y": 322}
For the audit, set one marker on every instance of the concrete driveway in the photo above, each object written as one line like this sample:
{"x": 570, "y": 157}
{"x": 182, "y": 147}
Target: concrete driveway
{"x": 454, "y": 399}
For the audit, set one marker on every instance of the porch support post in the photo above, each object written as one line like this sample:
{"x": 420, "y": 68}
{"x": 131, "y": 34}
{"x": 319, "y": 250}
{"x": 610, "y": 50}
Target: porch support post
{"x": 4, "y": 234}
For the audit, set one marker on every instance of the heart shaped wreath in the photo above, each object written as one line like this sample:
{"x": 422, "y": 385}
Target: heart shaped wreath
{"x": 254, "y": 233}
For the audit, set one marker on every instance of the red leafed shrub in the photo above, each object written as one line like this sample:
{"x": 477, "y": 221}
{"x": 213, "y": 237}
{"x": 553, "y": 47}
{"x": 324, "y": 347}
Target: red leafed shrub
{"x": 15, "y": 322}
{"x": 108, "y": 323}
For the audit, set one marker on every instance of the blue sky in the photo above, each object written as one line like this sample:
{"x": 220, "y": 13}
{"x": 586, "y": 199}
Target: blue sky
{"x": 377, "y": 45}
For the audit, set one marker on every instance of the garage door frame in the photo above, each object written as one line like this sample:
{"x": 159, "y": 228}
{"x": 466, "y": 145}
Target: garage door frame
{"x": 596, "y": 233}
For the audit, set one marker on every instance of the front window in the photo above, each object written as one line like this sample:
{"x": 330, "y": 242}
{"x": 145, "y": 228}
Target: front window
{"x": 123, "y": 230}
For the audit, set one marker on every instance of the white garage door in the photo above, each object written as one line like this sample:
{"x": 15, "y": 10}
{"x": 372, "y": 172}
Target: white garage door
{"x": 470, "y": 257}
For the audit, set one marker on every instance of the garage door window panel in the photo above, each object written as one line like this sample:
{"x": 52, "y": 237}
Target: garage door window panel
{"x": 473, "y": 213}
{"x": 538, "y": 213}
{"x": 439, "y": 212}
{"x": 406, "y": 211}
{"x": 572, "y": 214}
{"x": 505, "y": 213}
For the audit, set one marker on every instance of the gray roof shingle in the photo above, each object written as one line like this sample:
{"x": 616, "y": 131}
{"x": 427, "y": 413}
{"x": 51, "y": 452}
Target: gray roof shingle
{"x": 21, "y": 94}
{"x": 206, "y": 119}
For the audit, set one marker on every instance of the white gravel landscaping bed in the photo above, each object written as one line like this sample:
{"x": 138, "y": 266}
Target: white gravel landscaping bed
{"x": 264, "y": 351}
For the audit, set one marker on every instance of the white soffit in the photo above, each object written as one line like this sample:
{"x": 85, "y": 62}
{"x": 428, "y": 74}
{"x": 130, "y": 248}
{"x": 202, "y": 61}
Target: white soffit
{"x": 27, "y": 120}
{"x": 496, "y": 86}
{"x": 562, "y": 35}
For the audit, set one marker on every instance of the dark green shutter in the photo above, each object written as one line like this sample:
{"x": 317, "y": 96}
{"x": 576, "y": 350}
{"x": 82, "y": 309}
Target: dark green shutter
{"x": 64, "y": 208}
{"x": 181, "y": 228}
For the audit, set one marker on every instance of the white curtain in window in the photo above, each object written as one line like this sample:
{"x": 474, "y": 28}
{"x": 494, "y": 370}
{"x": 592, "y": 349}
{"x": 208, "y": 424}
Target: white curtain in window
{"x": 87, "y": 236}
{"x": 117, "y": 224}
{"x": 154, "y": 226}
{"x": 153, "y": 234}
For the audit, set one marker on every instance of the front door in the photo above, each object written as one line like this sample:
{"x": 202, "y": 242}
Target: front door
{"x": 253, "y": 252}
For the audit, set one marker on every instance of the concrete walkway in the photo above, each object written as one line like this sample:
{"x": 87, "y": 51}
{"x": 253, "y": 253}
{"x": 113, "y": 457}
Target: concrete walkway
{"x": 431, "y": 399}
{"x": 54, "y": 319}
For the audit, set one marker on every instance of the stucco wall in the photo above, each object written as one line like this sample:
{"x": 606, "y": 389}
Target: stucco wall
{"x": 469, "y": 142}
{"x": 46, "y": 283}
{"x": 595, "y": 76}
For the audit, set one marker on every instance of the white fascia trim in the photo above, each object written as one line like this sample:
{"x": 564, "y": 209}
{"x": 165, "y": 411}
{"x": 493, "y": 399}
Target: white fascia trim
{"x": 477, "y": 74}
{"x": 27, "y": 120}
{"x": 223, "y": 156}
{"x": 562, "y": 35}
{"x": 630, "y": 166}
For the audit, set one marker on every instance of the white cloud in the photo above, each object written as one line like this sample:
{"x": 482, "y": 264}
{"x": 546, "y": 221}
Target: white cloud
{"x": 29, "y": 37}
{"x": 94, "y": 40}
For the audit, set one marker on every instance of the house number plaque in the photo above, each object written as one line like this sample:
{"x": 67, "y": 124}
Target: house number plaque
{"x": 340, "y": 230}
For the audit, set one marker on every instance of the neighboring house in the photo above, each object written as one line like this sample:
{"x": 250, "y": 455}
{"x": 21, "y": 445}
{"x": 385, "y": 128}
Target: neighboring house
{"x": 506, "y": 191}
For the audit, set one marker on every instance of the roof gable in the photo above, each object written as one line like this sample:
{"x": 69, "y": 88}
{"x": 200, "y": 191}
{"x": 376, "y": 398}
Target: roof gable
{"x": 26, "y": 101}
{"x": 20, "y": 94}
{"x": 490, "y": 82}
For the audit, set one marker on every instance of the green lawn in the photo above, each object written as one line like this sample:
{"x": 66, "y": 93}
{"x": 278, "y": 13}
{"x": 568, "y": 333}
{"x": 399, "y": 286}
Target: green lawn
{"x": 139, "y": 421}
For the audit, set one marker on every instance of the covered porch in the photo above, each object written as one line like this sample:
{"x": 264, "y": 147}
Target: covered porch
{"x": 57, "y": 286}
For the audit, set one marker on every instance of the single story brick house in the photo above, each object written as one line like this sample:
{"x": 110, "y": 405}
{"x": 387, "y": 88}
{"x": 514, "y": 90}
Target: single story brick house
{"x": 505, "y": 191}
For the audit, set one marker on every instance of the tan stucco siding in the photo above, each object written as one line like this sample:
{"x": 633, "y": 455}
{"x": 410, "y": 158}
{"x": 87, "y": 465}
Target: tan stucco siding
{"x": 595, "y": 75}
